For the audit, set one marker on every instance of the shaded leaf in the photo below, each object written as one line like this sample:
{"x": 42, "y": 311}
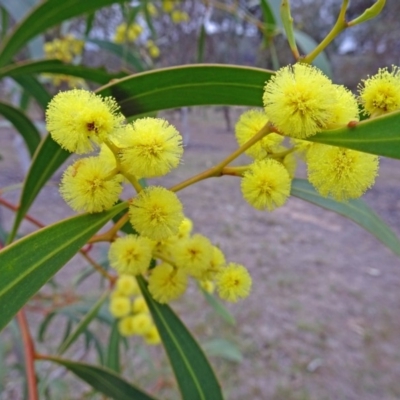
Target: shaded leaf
{"x": 22, "y": 124}
{"x": 307, "y": 44}
{"x": 223, "y": 348}
{"x": 113, "y": 349}
{"x": 103, "y": 380}
{"x": 32, "y": 86}
{"x": 44, "y": 16}
{"x": 122, "y": 52}
{"x": 219, "y": 308}
{"x": 356, "y": 210}
{"x": 83, "y": 324}
{"x": 98, "y": 75}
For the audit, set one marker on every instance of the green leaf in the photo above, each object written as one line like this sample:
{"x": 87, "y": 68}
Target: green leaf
{"x": 132, "y": 58}
{"x": 98, "y": 75}
{"x": 44, "y": 16}
{"x": 103, "y": 380}
{"x": 219, "y": 308}
{"x": 32, "y": 86}
{"x": 189, "y": 85}
{"x": 223, "y": 348}
{"x": 193, "y": 373}
{"x": 83, "y": 324}
{"x": 269, "y": 19}
{"x": 379, "y": 136}
{"x": 18, "y": 9}
{"x": 356, "y": 210}
{"x": 113, "y": 349}
{"x": 26, "y": 265}
{"x": 201, "y": 41}
{"x": 47, "y": 160}
{"x": 307, "y": 44}
{"x": 22, "y": 124}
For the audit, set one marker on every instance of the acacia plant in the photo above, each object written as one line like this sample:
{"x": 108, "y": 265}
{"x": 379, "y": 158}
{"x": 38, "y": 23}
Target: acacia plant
{"x": 154, "y": 251}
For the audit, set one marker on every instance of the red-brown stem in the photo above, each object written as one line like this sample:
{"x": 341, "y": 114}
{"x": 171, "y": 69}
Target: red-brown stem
{"x": 15, "y": 208}
{"x": 29, "y": 350}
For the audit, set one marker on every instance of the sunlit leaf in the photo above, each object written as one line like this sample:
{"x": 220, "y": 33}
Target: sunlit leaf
{"x": 26, "y": 265}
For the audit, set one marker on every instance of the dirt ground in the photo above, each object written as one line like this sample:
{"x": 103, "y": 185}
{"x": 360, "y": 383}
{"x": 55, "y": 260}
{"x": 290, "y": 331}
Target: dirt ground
{"x": 322, "y": 321}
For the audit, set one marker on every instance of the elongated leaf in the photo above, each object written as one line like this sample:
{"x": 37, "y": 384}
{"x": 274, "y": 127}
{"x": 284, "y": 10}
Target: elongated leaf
{"x": 219, "y": 308}
{"x": 47, "y": 160}
{"x": 98, "y": 75}
{"x": 307, "y": 44}
{"x": 189, "y": 85}
{"x": 18, "y": 9}
{"x": 269, "y": 19}
{"x": 356, "y": 210}
{"x": 32, "y": 86}
{"x": 193, "y": 373}
{"x": 44, "y": 16}
{"x": 22, "y": 124}
{"x": 379, "y": 136}
{"x": 113, "y": 349}
{"x": 128, "y": 55}
{"x": 26, "y": 265}
{"x": 103, "y": 380}
{"x": 83, "y": 324}
{"x": 223, "y": 348}
{"x": 92, "y": 338}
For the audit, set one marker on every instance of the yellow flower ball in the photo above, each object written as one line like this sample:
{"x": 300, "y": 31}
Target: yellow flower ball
{"x": 120, "y": 306}
{"x": 341, "y": 173}
{"x": 139, "y": 305}
{"x": 167, "y": 283}
{"x": 141, "y": 323}
{"x": 185, "y": 228}
{"x": 249, "y": 123}
{"x": 345, "y": 108}
{"x": 266, "y": 185}
{"x": 127, "y": 285}
{"x": 380, "y": 93}
{"x": 217, "y": 261}
{"x": 152, "y": 337}
{"x": 78, "y": 118}
{"x": 233, "y": 282}
{"x": 156, "y": 213}
{"x": 298, "y": 100}
{"x": 125, "y": 326}
{"x": 208, "y": 286}
{"x": 87, "y": 186}
{"x": 193, "y": 255}
{"x": 151, "y": 149}
{"x": 131, "y": 254}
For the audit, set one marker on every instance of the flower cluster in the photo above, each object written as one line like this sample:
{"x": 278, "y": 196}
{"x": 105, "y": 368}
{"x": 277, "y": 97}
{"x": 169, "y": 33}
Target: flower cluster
{"x": 183, "y": 256}
{"x": 124, "y": 33}
{"x": 67, "y": 49}
{"x": 129, "y": 306}
{"x": 64, "y": 49}
{"x": 162, "y": 249}
{"x": 300, "y": 101}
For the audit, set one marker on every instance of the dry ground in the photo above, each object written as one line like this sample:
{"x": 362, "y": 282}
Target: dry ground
{"x": 322, "y": 322}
